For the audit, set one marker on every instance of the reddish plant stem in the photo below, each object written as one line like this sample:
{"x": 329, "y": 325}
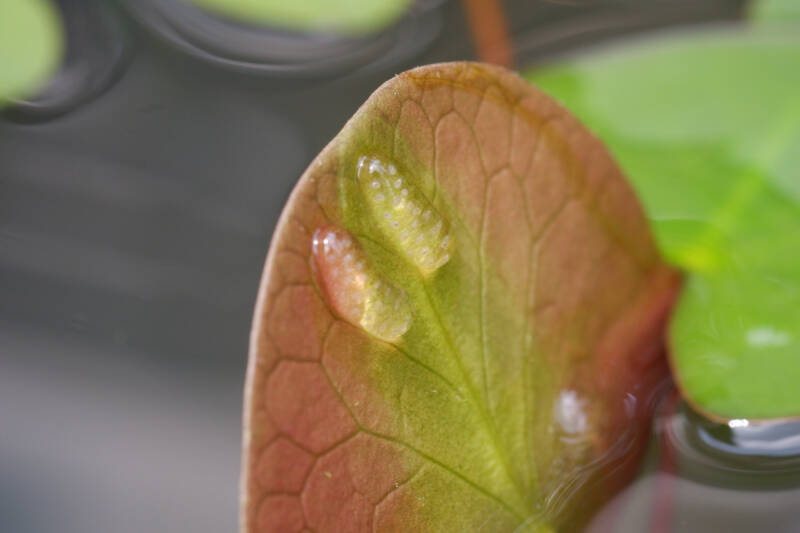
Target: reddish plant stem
{"x": 489, "y": 27}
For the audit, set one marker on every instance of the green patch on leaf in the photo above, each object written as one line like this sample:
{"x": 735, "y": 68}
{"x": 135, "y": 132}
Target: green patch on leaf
{"x": 707, "y": 127}
{"x": 347, "y": 16}
{"x": 31, "y": 43}
{"x": 459, "y": 322}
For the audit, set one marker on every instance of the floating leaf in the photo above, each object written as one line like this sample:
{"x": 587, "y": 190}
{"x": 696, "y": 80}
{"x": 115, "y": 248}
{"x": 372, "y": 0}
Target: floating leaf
{"x": 348, "y": 16}
{"x": 30, "y": 46}
{"x": 708, "y": 129}
{"x": 459, "y": 322}
{"x": 776, "y": 11}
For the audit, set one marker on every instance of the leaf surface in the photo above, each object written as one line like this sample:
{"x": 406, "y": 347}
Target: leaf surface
{"x": 707, "y": 127}
{"x": 459, "y": 321}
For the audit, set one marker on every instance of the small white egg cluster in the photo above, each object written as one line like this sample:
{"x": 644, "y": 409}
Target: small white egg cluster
{"x": 405, "y": 215}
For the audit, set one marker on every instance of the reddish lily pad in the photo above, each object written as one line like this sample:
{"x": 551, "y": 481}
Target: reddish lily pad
{"x": 460, "y": 320}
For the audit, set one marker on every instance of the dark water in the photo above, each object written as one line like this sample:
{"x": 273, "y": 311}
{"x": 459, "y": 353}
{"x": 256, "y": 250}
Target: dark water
{"x": 702, "y": 476}
{"x": 138, "y": 193}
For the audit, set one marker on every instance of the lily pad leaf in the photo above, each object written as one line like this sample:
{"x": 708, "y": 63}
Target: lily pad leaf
{"x": 460, "y": 320}
{"x": 31, "y": 43}
{"x": 775, "y": 11}
{"x": 707, "y": 127}
{"x": 348, "y": 16}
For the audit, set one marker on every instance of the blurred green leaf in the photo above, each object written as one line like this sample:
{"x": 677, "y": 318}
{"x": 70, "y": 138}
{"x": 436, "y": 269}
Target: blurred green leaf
{"x": 785, "y": 11}
{"x": 346, "y": 16}
{"x": 31, "y": 43}
{"x": 707, "y": 126}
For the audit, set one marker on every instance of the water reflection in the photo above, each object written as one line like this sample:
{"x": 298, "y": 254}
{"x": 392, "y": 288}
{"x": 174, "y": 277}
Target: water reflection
{"x": 737, "y": 453}
{"x": 704, "y": 476}
{"x": 284, "y": 54}
{"x": 768, "y": 439}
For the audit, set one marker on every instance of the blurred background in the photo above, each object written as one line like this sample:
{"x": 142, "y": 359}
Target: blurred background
{"x": 142, "y": 171}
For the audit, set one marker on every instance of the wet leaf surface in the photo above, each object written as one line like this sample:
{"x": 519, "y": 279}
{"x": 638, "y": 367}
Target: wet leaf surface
{"x": 707, "y": 127}
{"x": 460, "y": 320}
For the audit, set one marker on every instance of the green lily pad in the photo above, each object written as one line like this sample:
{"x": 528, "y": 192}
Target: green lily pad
{"x": 776, "y": 11}
{"x": 707, "y": 127}
{"x": 31, "y": 42}
{"x": 459, "y": 323}
{"x": 346, "y": 16}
